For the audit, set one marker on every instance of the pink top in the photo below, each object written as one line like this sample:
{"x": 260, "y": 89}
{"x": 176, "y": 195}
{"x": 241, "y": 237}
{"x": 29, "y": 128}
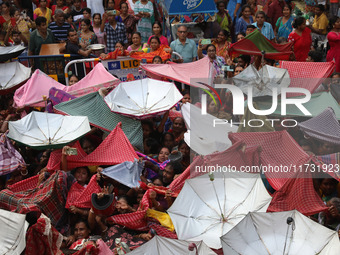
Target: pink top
{"x": 163, "y": 40}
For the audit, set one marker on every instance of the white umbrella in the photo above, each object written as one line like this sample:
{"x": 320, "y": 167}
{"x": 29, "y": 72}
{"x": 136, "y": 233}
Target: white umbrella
{"x": 12, "y": 74}
{"x": 12, "y": 233}
{"x": 205, "y": 210}
{"x": 162, "y": 245}
{"x": 280, "y": 233}
{"x": 202, "y": 136}
{"x": 143, "y": 98}
{"x": 262, "y": 81}
{"x": 48, "y": 130}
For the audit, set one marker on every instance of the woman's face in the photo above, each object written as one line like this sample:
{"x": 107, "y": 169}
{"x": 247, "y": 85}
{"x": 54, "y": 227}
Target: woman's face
{"x": 302, "y": 26}
{"x": 221, "y": 7}
{"x": 86, "y": 15}
{"x": 84, "y": 27}
{"x": 286, "y": 11}
{"x": 60, "y": 3}
{"x": 96, "y": 20}
{"x": 17, "y": 15}
{"x": 238, "y": 69}
{"x": 73, "y": 80}
{"x": 154, "y": 44}
{"x": 186, "y": 99}
{"x": 211, "y": 52}
{"x": 163, "y": 154}
{"x": 124, "y": 9}
{"x": 246, "y": 12}
{"x": 119, "y": 46}
{"x": 111, "y": 5}
{"x": 212, "y": 108}
{"x": 178, "y": 125}
{"x": 81, "y": 176}
{"x": 122, "y": 206}
{"x": 337, "y": 24}
{"x": 81, "y": 231}
{"x": 5, "y": 9}
{"x": 43, "y": 4}
{"x": 221, "y": 37}
{"x": 168, "y": 141}
{"x": 156, "y": 29}
{"x": 185, "y": 150}
{"x": 88, "y": 147}
{"x": 239, "y": 37}
{"x": 157, "y": 61}
{"x": 136, "y": 40}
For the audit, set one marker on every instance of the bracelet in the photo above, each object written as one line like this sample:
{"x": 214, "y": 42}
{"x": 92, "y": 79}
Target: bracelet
{"x": 91, "y": 210}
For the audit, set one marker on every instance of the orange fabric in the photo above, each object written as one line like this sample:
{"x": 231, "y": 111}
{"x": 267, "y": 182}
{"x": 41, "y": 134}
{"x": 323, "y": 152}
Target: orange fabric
{"x": 149, "y": 56}
{"x": 114, "y": 54}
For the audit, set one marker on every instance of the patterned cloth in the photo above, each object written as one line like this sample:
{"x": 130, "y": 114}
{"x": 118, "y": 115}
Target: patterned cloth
{"x": 48, "y": 198}
{"x": 297, "y": 193}
{"x": 42, "y": 238}
{"x": 278, "y": 149}
{"x": 115, "y": 149}
{"x": 57, "y": 96}
{"x": 324, "y": 127}
{"x": 266, "y": 30}
{"x": 307, "y": 75}
{"x": 94, "y": 107}
{"x": 114, "y": 35}
{"x": 10, "y": 158}
{"x": 333, "y": 161}
{"x": 144, "y": 25}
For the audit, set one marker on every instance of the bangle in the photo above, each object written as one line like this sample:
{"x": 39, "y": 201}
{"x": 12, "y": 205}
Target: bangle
{"x": 91, "y": 210}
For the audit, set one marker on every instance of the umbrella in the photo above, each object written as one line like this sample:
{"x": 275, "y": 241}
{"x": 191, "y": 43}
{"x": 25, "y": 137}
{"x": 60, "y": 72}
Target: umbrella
{"x": 12, "y": 74}
{"x": 8, "y": 52}
{"x": 48, "y": 130}
{"x": 203, "y": 214}
{"x": 262, "y": 81}
{"x": 202, "y": 136}
{"x": 280, "y": 233}
{"x": 13, "y": 232}
{"x": 127, "y": 173}
{"x": 162, "y": 245}
{"x": 143, "y": 98}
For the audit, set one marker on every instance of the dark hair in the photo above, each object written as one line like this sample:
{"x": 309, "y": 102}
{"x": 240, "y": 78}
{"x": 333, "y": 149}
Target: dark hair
{"x": 81, "y": 220}
{"x": 185, "y": 91}
{"x": 159, "y": 24}
{"x": 136, "y": 33}
{"x": 321, "y": 7}
{"x": 73, "y": 74}
{"x": 246, "y": 59}
{"x": 332, "y": 22}
{"x": 14, "y": 32}
{"x": 155, "y": 37}
{"x": 316, "y": 55}
{"x": 95, "y": 14}
{"x": 335, "y": 73}
{"x": 7, "y": 4}
{"x": 88, "y": 10}
{"x": 281, "y": 40}
{"x": 220, "y": 2}
{"x": 241, "y": 33}
{"x": 87, "y": 170}
{"x": 251, "y": 26}
{"x": 211, "y": 45}
{"x": 260, "y": 12}
{"x": 288, "y": 6}
{"x": 157, "y": 57}
{"x": 163, "y": 138}
{"x": 120, "y": 43}
{"x": 71, "y": 30}
{"x": 40, "y": 20}
{"x": 126, "y": 198}
{"x": 121, "y": 3}
{"x": 181, "y": 142}
{"x": 67, "y": 15}
{"x": 270, "y": 61}
{"x": 176, "y": 167}
{"x": 88, "y": 23}
{"x": 153, "y": 144}
{"x": 148, "y": 123}
{"x": 298, "y": 22}
{"x": 225, "y": 33}
{"x": 243, "y": 8}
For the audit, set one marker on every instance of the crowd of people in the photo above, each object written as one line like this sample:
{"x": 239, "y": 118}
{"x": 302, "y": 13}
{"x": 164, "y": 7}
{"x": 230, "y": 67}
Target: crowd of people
{"x": 136, "y": 29}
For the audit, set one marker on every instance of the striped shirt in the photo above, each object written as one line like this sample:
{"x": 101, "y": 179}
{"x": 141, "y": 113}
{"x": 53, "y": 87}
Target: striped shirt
{"x": 59, "y": 32}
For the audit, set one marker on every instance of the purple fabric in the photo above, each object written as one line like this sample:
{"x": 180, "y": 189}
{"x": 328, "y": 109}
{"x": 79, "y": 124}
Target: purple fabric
{"x": 57, "y": 96}
{"x": 324, "y": 127}
{"x": 10, "y": 158}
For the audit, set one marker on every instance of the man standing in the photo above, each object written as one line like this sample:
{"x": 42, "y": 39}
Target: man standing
{"x": 115, "y": 31}
{"x": 320, "y": 23}
{"x": 59, "y": 27}
{"x": 265, "y": 28}
{"x": 42, "y": 35}
{"x": 184, "y": 46}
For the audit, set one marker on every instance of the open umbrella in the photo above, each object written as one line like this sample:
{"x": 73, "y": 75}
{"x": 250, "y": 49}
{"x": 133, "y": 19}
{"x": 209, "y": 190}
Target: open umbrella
{"x": 143, "y": 98}
{"x": 280, "y": 233}
{"x": 12, "y": 74}
{"x": 42, "y": 130}
{"x": 13, "y": 232}
{"x": 207, "y": 208}
{"x": 262, "y": 81}
{"x": 162, "y": 245}
{"x": 9, "y": 52}
{"x": 204, "y": 136}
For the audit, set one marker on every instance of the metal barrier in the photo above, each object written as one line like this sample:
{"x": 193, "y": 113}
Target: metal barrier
{"x": 78, "y": 61}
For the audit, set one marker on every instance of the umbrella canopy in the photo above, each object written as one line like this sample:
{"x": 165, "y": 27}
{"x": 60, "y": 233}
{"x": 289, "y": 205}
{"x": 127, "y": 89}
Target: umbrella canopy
{"x": 262, "y": 81}
{"x": 202, "y": 214}
{"x": 13, "y": 74}
{"x": 42, "y": 130}
{"x": 162, "y": 245}
{"x": 202, "y": 136}
{"x": 9, "y": 52}
{"x": 13, "y": 232}
{"x": 280, "y": 233}
{"x": 143, "y": 98}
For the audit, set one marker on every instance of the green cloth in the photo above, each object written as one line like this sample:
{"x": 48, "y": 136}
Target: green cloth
{"x": 316, "y": 105}
{"x": 36, "y": 41}
{"x": 94, "y": 107}
{"x": 267, "y": 127}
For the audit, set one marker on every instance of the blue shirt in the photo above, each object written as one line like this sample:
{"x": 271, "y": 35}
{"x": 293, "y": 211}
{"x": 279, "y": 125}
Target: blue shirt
{"x": 188, "y": 51}
{"x": 231, "y": 8}
{"x": 267, "y": 30}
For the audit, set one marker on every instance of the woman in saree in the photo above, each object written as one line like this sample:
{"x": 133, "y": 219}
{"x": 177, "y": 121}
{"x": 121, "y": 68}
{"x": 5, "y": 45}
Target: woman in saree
{"x": 283, "y": 25}
{"x": 223, "y": 18}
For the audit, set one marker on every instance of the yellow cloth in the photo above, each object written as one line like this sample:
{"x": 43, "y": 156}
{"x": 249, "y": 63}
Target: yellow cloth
{"x": 321, "y": 23}
{"x": 162, "y": 217}
{"x": 48, "y": 14}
